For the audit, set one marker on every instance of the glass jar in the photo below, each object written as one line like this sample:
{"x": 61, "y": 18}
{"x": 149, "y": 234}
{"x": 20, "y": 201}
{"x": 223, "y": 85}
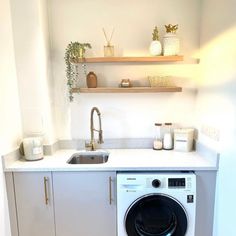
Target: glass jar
{"x": 167, "y": 138}
{"x": 109, "y": 51}
{"x": 157, "y": 143}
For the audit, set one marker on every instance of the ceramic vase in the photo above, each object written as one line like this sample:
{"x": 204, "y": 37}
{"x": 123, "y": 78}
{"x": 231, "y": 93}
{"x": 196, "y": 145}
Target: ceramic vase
{"x": 155, "y": 48}
{"x": 91, "y": 80}
{"x": 171, "y": 45}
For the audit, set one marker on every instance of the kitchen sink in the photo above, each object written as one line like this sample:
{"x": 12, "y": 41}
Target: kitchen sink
{"x": 89, "y": 157}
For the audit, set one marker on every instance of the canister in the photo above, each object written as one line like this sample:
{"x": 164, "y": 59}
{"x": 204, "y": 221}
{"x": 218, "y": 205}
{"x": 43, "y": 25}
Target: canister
{"x": 32, "y": 148}
{"x": 157, "y": 143}
{"x": 168, "y": 137}
{"x": 183, "y": 139}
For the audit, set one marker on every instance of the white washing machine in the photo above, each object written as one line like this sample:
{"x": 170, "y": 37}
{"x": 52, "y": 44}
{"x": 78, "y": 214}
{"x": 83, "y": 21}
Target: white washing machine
{"x": 156, "y": 203}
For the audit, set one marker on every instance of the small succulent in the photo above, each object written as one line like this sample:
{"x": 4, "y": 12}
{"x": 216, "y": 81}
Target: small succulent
{"x": 74, "y": 53}
{"x": 155, "y": 35}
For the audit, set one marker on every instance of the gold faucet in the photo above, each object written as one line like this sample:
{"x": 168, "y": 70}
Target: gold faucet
{"x": 91, "y": 145}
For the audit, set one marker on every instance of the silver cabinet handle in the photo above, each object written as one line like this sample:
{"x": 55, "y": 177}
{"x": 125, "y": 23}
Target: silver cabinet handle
{"x": 46, "y": 190}
{"x": 110, "y": 190}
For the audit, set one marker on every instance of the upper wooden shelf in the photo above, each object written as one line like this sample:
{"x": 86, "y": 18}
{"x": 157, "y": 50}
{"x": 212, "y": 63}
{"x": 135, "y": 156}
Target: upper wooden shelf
{"x": 131, "y": 59}
{"x": 128, "y": 90}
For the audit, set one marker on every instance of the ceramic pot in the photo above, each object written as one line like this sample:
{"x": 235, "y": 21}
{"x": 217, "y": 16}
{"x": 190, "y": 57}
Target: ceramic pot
{"x": 155, "y": 48}
{"x": 91, "y": 80}
{"x": 171, "y": 45}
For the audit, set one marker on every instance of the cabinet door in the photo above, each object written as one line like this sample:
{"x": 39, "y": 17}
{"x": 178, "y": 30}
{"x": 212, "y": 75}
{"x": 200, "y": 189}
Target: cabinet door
{"x": 34, "y": 203}
{"x": 85, "y": 203}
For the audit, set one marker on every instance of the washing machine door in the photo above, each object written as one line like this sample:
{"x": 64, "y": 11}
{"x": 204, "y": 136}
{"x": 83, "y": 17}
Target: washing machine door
{"x": 156, "y": 215}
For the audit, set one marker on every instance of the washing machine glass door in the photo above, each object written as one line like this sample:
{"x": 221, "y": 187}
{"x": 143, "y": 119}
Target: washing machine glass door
{"x": 156, "y": 215}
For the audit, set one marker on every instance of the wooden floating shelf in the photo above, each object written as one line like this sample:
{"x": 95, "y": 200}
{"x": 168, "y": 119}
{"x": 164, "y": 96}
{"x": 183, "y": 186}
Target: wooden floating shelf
{"x": 130, "y": 59}
{"x": 128, "y": 90}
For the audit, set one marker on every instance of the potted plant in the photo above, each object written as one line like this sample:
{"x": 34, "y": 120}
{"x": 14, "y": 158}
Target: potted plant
{"x": 74, "y": 54}
{"x": 155, "y": 48}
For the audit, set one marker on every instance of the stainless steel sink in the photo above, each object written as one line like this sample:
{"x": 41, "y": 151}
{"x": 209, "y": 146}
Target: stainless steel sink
{"x": 89, "y": 157}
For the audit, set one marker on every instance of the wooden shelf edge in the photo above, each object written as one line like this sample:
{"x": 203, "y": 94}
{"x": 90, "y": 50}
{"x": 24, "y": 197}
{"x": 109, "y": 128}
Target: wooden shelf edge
{"x": 127, "y": 90}
{"x": 131, "y": 59}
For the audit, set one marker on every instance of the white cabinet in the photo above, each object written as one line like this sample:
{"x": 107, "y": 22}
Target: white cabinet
{"x": 85, "y": 203}
{"x": 34, "y": 203}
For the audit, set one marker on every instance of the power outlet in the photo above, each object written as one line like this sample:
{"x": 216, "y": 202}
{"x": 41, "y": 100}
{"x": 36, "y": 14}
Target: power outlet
{"x": 211, "y": 132}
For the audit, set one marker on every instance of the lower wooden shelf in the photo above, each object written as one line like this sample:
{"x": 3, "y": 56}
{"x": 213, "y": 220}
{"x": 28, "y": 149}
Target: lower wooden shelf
{"x": 128, "y": 90}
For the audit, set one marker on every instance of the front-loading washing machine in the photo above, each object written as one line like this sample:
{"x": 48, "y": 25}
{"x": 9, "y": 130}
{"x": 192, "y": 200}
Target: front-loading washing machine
{"x": 156, "y": 203}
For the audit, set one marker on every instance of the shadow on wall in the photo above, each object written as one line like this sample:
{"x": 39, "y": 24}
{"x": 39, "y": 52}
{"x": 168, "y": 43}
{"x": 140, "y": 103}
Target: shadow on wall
{"x": 216, "y": 17}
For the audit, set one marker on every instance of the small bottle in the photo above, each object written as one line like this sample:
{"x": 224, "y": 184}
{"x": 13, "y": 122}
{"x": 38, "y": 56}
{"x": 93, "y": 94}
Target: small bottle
{"x": 167, "y": 140}
{"x": 157, "y": 143}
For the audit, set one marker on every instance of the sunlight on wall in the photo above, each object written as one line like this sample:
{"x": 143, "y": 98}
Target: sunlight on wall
{"x": 220, "y": 55}
{"x": 216, "y": 99}
{"x": 216, "y": 110}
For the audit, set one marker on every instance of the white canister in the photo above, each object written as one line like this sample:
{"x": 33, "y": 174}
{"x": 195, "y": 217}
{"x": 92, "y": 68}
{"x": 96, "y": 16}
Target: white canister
{"x": 171, "y": 45}
{"x": 32, "y": 148}
{"x": 183, "y": 140}
{"x": 167, "y": 139}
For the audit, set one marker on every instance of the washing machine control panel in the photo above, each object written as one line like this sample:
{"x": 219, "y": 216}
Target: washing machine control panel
{"x": 176, "y": 182}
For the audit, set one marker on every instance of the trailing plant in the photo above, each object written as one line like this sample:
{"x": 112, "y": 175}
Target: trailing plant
{"x": 73, "y": 55}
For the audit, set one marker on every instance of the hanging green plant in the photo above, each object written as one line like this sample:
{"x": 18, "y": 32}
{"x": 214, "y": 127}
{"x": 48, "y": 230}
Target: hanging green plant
{"x": 74, "y": 53}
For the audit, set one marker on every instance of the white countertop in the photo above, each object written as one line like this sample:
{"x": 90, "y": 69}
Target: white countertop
{"x": 119, "y": 160}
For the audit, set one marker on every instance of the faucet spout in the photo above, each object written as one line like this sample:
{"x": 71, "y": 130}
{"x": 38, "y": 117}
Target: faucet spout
{"x": 91, "y": 145}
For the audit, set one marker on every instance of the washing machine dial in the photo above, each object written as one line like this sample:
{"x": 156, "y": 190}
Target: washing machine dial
{"x": 156, "y": 183}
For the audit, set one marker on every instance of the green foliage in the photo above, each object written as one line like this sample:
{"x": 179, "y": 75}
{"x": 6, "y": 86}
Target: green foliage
{"x": 74, "y": 52}
{"x": 155, "y": 35}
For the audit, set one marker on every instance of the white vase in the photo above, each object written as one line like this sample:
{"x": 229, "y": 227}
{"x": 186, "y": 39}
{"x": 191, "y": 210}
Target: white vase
{"x": 155, "y": 48}
{"x": 171, "y": 45}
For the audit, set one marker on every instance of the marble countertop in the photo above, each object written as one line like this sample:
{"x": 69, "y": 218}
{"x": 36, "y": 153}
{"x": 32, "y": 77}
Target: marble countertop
{"x": 119, "y": 160}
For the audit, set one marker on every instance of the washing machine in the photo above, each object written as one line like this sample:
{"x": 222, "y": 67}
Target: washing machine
{"x": 156, "y": 203}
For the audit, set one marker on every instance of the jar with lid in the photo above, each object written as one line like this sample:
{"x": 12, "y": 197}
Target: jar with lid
{"x": 167, "y": 139}
{"x": 157, "y": 143}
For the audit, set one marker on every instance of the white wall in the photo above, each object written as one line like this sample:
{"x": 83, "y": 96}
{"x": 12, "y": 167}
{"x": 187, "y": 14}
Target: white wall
{"x": 32, "y": 50}
{"x": 10, "y": 119}
{"x": 216, "y": 102}
{"x": 124, "y": 115}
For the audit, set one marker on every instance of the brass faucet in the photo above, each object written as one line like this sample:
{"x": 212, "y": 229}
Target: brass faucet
{"x": 91, "y": 145}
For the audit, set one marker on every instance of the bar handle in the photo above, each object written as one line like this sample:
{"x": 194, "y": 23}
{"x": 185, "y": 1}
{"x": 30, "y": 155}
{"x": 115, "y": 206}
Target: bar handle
{"x": 46, "y": 190}
{"x": 110, "y": 190}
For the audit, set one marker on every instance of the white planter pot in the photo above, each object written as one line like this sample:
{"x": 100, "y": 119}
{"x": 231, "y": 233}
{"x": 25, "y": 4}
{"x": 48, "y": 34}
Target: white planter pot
{"x": 155, "y": 48}
{"x": 171, "y": 45}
